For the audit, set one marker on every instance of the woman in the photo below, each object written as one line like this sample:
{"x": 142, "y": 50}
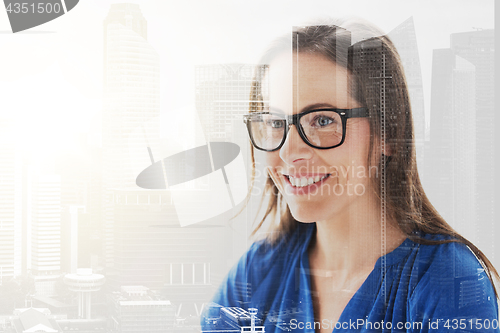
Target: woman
{"x": 358, "y": 246}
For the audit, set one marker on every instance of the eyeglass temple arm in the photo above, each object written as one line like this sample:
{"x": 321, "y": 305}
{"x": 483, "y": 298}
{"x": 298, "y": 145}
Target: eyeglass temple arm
{"x": 357, "y": 113}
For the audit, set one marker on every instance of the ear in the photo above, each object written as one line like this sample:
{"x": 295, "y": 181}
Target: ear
{"x": 386, "y": 154}
{"x": 387, "y": 150}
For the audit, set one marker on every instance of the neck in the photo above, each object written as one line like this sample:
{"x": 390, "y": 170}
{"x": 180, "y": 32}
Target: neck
{"x": 351, "y": 242}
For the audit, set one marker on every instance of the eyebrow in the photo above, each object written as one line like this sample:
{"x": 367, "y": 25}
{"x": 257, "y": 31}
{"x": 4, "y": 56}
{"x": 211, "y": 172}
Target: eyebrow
{"x": 306, "y": 108}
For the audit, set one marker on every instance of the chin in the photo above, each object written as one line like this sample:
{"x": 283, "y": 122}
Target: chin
{"x": 304, "y": 216}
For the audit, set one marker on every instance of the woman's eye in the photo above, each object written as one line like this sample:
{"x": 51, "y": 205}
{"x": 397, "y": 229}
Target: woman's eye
{"x": 275, "y": 123}
{"x": 322, "y": 121}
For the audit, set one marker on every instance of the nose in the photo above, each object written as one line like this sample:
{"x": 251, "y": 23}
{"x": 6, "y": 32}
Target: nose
{"x": 294, "y": 149}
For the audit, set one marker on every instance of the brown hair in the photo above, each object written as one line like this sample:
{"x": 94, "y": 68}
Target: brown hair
{"x": 378, "y": 82}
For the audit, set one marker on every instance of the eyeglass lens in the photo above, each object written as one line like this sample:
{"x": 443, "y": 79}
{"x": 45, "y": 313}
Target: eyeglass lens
{"x": 320, "y": 128}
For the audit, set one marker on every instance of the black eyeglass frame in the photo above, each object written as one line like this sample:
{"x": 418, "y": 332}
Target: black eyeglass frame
{"x": 294, "y": 119}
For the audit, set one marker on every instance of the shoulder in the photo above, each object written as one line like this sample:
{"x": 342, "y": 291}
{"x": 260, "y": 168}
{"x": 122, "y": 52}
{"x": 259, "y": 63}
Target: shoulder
{"x": 450, "y": 282}
{"x": 453, "y": 258}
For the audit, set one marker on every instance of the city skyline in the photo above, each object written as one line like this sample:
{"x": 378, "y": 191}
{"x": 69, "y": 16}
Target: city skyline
{"x": 80, "y": 207}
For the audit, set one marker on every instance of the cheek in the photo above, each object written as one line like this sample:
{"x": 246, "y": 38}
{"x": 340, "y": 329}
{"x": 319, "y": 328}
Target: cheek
{"x": 351, "y": 159}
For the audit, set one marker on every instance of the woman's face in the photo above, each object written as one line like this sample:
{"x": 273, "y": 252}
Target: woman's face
{"x": 340, "y": 175}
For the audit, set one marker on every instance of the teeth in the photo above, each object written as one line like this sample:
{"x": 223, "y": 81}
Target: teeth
{"x": 301, "y": 182}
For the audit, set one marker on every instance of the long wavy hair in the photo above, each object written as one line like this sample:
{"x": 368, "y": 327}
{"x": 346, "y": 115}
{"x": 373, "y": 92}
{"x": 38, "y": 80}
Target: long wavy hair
{"x": 377, "y": 81}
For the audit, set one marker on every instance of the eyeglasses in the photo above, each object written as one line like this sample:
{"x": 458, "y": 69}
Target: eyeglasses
{"x": 320, "y": 129}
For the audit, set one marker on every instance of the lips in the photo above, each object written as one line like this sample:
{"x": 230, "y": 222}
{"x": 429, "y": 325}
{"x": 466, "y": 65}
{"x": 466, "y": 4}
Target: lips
{"x": 305, "y": 180}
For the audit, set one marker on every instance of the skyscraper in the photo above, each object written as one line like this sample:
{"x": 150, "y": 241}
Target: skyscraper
{"x": 462, "y": 136}
{"x": 46, "y": 225}
{"x": 453, "y": 140}
{"x": 11, "y": 222}
{"x": 405, "y": 40}
{"x": 75, "y": 239}
{"x": 131, "y": 103}
{"x": 222, "y": 96}
{"x": 477, "y": 47}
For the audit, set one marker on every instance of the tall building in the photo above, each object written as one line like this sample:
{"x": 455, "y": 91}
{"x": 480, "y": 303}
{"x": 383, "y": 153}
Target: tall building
{"x": 11, "y": 214}
{"x": 75, "y": 239}
{"x": 131, "y": 107}
{"x": 222, "y": 96}
{"x": 46, "y": 225}
{"x": 462, "y": 136}
{"x": 77, "y": 189}
{"x": 94, "y": 208}
{"x": 477, "y": 47}
{"x": 405, "y": 40}
{"x": 453, "y": 140}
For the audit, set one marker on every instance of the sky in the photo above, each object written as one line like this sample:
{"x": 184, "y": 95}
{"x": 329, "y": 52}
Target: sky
{"x": 51, "y": 75}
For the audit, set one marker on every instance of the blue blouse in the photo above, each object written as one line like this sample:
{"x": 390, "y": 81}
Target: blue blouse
{"x": 423, "y": 288}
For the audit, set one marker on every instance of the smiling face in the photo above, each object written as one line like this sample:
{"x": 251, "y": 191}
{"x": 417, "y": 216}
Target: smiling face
{"x": 317, "y": 184}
